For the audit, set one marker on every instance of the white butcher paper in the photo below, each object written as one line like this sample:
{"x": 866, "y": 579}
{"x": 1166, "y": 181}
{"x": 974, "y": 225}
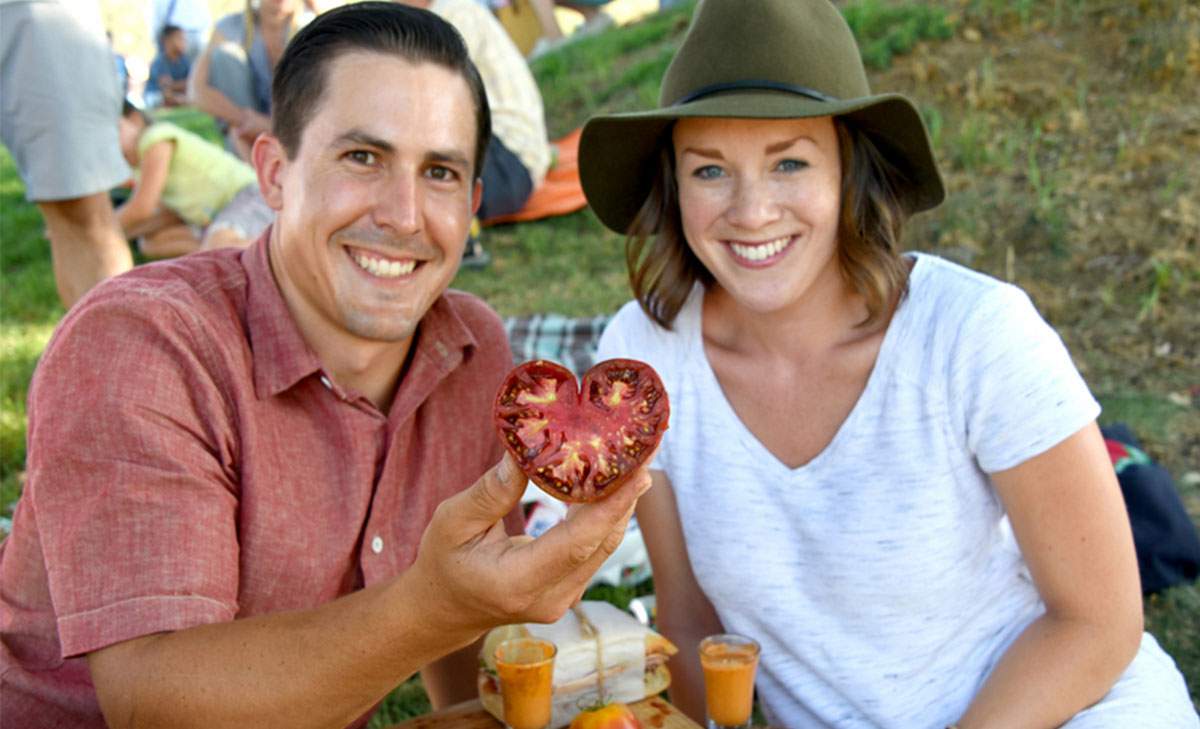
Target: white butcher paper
{"x": 623, "y": 642}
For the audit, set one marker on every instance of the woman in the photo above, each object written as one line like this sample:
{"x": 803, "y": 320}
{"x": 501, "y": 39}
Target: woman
{"x": 883, "y": 467}
{"x": 189, "y": 194}
{"x": 232, "y": 77}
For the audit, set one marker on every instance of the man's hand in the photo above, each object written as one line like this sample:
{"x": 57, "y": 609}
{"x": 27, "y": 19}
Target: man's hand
{"x": 478, "y": 577}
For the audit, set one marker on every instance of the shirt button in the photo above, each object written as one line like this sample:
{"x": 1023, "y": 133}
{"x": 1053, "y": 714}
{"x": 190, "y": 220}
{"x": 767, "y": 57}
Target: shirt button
{"x": 377, "y": 545}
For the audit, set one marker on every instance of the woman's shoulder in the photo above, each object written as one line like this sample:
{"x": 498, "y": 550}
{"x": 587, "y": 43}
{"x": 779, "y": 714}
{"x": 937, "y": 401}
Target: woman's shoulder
{"x": 232, "y": 26}
{"x": 948, "y": 295}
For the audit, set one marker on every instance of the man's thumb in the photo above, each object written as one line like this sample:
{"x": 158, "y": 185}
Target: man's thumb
{"x": 496, "y": 492}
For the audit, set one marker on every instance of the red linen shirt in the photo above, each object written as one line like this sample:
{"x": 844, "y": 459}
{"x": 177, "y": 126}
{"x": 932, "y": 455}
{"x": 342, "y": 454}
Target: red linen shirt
{"x": 190, "y": 462}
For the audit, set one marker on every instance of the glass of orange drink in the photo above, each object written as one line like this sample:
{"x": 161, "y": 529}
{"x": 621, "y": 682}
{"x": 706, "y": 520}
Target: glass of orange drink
{"x": 526, "y": 670}
{"x": 729, "y": 662}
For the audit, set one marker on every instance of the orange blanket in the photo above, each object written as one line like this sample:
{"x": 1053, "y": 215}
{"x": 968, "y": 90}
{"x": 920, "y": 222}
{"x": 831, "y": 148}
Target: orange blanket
{"x": 560, "y": 193}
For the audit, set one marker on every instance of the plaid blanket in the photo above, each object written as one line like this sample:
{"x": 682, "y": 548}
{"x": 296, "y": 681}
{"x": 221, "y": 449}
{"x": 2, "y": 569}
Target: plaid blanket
{"x": 568, "y": 341}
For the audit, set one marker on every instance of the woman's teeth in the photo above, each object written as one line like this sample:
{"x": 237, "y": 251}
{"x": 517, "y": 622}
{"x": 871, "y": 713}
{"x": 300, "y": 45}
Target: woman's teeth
{"x": 386, "y": 269}
{"x": 762, "y": 251}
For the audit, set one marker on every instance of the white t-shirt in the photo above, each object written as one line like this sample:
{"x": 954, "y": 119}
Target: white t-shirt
{"x": 881, "y": 578}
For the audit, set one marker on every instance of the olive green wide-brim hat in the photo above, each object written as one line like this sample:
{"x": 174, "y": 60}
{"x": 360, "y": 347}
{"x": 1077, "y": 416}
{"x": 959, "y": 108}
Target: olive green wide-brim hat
{"x": 756, "y": 59}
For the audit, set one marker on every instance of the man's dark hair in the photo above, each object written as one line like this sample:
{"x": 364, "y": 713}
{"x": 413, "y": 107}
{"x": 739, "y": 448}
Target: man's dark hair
{"x": 374, "y": 27}
{"x": 167, "y": 31}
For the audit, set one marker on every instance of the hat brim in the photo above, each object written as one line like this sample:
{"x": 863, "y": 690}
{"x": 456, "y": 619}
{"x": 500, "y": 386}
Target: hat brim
{"x": 618, "y": 153}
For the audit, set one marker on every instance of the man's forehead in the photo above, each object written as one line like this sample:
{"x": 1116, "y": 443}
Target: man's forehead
{"x": 392, "y": 97}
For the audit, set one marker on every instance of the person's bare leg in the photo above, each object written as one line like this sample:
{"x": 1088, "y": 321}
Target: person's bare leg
{"x": 86, "y": 244}
{"x": 176, "y": 240}
{"x": 544, "y": 10}
{"x": 588, "y": 12}
{"x": 224, "y": 238}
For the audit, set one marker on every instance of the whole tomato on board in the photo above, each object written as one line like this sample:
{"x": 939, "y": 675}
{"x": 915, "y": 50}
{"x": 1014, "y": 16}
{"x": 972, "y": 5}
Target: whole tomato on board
{"x": 581, "y": 443}
{"x": 606, "y": 716}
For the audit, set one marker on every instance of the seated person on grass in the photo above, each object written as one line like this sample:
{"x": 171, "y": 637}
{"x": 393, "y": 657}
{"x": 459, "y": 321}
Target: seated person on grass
{"x": 231, "y": 78}
{"x": 519, "y": 153}
{"x": 281, "y": 494}
{"x": 189, "y": 193}
{"x": 166, "y": 84}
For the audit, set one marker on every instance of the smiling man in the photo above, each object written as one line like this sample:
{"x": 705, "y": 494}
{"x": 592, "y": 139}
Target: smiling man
{"x": 262, "y": 484}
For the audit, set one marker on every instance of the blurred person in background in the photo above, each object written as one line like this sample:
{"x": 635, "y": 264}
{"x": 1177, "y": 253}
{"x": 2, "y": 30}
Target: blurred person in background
{"x": 231, "y": 79}
{"x": 189, "y": 194}
{"x": 60, "y": 100}
{"x": 519, "y": 153}
{"x": 166, "y": 84}
{"x": 192, "y": 16}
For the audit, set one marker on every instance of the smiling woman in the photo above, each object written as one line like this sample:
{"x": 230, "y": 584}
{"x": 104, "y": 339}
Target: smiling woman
{"x": 906, "y": 440}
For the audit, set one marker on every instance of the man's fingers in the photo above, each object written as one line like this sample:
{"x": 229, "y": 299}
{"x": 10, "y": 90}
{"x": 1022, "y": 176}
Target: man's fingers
{"x": 588, "y": 535}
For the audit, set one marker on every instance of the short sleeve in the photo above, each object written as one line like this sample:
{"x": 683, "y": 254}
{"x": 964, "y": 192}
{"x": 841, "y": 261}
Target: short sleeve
{"x": 130, "y": 477}
{"x": 154, "y": 134}
{"x": 1016, "y": 389}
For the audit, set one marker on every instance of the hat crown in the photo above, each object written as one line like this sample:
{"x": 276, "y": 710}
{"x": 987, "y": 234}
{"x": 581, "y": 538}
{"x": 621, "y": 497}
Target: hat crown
{"x": 804, "y": 43}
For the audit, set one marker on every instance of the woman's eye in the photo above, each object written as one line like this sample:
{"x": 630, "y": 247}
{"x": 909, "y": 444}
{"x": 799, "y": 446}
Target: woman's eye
{"x": 362, "y": 156}
{"x": 708, "y": 172}
{"x": 791, "y": 165}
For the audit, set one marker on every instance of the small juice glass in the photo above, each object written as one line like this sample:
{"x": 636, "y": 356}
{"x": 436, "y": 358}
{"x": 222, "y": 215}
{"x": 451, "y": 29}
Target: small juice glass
{"x": 526, "y": 670}
{"x": 729, "y": 663}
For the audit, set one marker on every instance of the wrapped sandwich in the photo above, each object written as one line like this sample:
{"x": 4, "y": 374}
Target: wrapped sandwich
{"x": 603, "y": 653}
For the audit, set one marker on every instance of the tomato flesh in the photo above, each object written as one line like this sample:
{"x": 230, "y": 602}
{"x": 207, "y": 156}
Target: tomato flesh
{"x": 581, "y": 443}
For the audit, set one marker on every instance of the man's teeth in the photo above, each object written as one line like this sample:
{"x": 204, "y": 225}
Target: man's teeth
{"x": 386, "y": 269}
{"x": 760, "y": 252}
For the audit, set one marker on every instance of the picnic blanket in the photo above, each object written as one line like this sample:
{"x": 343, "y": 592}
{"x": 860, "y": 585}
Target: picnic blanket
{"x": 569, "y": 341}
{"x": 560, "y": 193}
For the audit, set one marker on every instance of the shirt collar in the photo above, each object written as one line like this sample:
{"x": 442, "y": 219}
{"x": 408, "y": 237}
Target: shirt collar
{"x": 282, "y": 357}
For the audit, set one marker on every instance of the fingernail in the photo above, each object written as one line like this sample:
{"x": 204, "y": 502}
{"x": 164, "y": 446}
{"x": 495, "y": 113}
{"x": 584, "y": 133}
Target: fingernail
{"x": 505, "y": 472}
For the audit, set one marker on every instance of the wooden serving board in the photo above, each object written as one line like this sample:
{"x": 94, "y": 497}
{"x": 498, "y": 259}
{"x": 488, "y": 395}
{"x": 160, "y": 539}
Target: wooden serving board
{"x": 654, "y": 713}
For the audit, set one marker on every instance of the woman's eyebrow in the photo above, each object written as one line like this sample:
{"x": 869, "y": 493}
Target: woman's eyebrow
{"x": 711, "y": 153}
{"x": 785, "y": 144}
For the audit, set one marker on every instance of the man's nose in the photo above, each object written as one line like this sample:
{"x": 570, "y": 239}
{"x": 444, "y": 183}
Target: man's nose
{"x": 399, "y": 204}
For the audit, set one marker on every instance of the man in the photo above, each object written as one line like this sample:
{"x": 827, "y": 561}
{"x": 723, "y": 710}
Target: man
{"x": 192, "y": 16}
{"x": 235, "y": 520}
{"x": 61, "y": 98}
{"x": 167, "y": 83}
{"x": 519, "y": 153}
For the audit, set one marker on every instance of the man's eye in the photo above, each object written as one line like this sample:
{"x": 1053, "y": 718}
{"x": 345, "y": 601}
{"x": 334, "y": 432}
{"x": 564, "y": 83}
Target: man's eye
{"x": 438, "y": 172}
{"x": 362, "y": 156}
{"x": 708, "y": 172}
{"x": 791, "y": 165}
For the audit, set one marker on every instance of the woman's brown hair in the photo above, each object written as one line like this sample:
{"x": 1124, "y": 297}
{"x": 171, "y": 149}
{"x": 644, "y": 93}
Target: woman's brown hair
{"x": 875, "y": 200}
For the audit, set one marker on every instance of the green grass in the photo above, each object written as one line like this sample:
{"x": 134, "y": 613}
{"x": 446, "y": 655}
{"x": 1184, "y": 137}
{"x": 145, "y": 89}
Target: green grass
{"x": 1017, "y": 184}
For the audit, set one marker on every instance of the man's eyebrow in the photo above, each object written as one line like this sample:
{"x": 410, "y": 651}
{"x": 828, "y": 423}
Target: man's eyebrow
{"x": 358, "y": 136}
{"x": 453, "y": 158}
{"x": 785, "y": 144}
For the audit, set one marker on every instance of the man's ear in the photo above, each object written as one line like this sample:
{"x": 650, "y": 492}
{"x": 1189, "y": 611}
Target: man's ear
{"x": 270, "y": 161}
{"x": 477, "y": 196}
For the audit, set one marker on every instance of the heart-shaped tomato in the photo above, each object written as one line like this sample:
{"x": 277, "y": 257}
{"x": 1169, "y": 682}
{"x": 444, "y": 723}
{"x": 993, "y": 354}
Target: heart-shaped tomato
{"x": 614, "y": 715}
{"x": 580, "y": 444}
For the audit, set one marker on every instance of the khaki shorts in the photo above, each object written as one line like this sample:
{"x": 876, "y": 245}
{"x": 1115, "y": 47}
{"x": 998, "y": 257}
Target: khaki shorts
{"x": 59, "y": 103}
{"x": 247, "y": 214}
